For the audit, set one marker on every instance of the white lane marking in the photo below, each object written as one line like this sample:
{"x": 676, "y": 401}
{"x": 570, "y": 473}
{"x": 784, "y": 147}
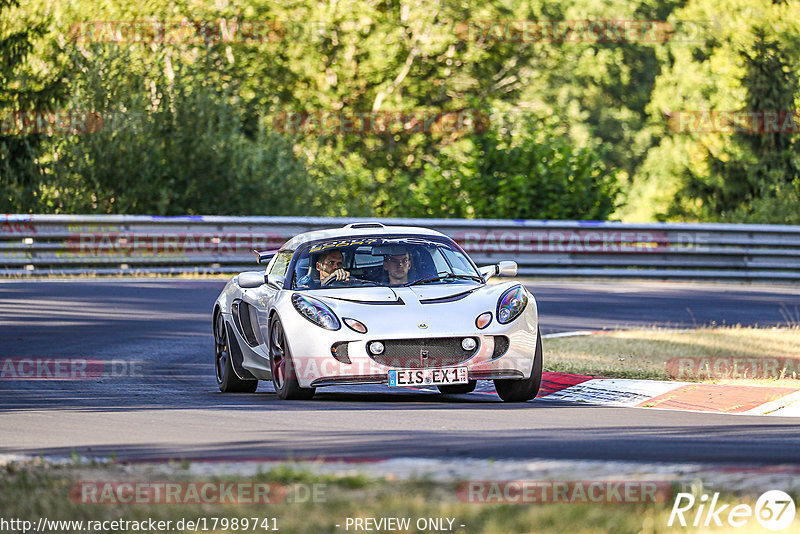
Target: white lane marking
{"x": 571, "y": 334}
{"x": 576, "y": 333}
{"x": 788, "y": 406}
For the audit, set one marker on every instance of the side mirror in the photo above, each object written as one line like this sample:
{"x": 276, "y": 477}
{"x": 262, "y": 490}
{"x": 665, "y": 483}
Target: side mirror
{"x": 507, "y": 268}
{"x": 251, "y": 279}
{"x": 503, "y": 268}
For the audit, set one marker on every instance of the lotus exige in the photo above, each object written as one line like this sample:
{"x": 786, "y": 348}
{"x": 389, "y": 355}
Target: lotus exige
{"x": 375, "y": 304}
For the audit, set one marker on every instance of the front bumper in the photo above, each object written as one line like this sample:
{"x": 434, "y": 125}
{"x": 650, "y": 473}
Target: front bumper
{"x": 315, "y": 363}
{"x": 381, "y": 379}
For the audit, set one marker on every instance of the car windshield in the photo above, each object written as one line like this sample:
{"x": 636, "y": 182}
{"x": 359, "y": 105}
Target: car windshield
{"x": 375, "y": 262}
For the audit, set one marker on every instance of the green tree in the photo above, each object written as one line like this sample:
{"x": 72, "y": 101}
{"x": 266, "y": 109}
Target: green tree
{"x": 748, "y": 59}
{"x": 170, "y": 145}
{"x": 522, "y": 170}
{"x": 758, "y": 177}
{"x": 601, "y": 89}
{"x": 28, "y": 89}
{"x": 356, "y": 56}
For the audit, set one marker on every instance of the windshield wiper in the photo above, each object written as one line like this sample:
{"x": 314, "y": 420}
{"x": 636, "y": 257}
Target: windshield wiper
{"x": 444, "y": 276}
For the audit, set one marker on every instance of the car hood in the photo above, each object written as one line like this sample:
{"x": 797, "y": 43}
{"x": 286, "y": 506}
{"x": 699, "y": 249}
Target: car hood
{"x": 364, "y": 295}
{"x": 427, "y": 310}
{"x": 388, "y": 295}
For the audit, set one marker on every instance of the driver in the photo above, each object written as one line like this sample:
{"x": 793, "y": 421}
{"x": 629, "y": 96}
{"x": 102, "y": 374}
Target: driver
{"x": 397, "y": 267}
{"x": 330, "y": 269}
{"x": 329, "y": 266}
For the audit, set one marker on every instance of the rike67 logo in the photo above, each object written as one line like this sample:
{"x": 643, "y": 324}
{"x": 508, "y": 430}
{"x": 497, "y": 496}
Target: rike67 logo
{"x": 774, "y": 510}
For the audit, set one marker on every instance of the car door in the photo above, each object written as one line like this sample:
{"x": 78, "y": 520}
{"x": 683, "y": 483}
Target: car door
{"x": 258, "y": 302}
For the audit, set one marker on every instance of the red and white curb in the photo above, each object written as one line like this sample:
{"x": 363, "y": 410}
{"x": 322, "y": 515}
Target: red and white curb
{"x": 660, "y": 394}
{"x": 687, "y": 396}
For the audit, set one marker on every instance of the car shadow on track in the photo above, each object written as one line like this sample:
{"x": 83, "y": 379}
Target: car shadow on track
{"x": 201, "y": 393}
{"x": 735, "y": 444}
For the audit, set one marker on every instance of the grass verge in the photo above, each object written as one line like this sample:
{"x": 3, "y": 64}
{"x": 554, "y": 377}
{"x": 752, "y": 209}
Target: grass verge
{"x": 731, "y": 354}
{"x": 32, "y": 491}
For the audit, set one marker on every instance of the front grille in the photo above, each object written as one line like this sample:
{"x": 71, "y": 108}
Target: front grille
{"x": 421, "y": 353}
{"x": 340, "y": 352}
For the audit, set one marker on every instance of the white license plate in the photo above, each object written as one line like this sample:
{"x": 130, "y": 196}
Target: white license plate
{"x": 428, "y": 377}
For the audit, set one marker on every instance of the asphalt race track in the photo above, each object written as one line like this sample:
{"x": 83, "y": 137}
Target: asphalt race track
{"x": 174, "y": 410}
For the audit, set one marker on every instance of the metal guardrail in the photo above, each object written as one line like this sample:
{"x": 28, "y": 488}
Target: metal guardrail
{"x": 119, "y": 244}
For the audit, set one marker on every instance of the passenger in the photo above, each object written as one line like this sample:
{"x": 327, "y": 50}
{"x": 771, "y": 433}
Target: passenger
{"x": 397, "y": 266}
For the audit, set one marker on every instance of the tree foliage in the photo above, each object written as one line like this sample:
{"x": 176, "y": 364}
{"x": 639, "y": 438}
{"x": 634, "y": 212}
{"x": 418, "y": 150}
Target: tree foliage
{"x": 171, "y": 145}
{"x": 758, "y": 176}
{"x": 748, "y": 60}
{"x": 578, "y": 129}
{"x": 23, "y": 87}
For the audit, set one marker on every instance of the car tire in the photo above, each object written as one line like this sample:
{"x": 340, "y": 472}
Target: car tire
{"x": 284, "y": 376}
{"x": 227, "y": 381}
{"x": 458, "y": 389}
{"x": 511, "y": 390}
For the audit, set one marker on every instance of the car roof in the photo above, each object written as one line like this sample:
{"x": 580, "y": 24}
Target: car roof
{"x": 359, "y": 230}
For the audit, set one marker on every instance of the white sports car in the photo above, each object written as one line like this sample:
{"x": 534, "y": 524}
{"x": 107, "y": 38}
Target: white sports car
{"x": 375, "y": 304}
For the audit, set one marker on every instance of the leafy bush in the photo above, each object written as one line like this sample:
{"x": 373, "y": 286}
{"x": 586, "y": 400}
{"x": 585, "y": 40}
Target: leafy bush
{"x": 524, "y": 171}
{"x": 171, "y": 145}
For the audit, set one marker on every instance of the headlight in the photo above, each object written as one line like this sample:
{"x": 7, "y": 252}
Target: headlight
{"x": 512, "y": 302}
{"x": 316, "y": 312}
